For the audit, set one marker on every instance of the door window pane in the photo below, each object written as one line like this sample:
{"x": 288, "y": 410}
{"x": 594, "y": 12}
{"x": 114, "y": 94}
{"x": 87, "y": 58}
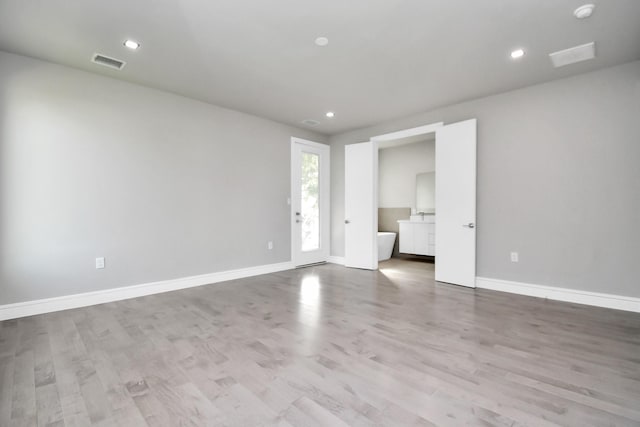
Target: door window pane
{"x": 310, "y": 210}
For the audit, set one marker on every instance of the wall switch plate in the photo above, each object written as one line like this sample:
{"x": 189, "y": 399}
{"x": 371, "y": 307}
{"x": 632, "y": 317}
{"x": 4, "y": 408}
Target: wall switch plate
{"x": 289, "y": 201}
{"x": 514, "y": 256}
{"x": 270, "y": 245}
{"x": 100, "y": 262}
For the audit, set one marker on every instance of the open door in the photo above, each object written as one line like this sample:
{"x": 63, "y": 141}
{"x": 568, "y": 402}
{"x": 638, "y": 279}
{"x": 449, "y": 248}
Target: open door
{"x": 456, "y": 203}
{"x": 361, "y": 205}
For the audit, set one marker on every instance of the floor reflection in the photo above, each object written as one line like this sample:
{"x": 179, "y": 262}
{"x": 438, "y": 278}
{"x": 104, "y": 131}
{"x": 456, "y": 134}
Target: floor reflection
{"x": 310, "y": 291}
{"x": 309, "y": 310}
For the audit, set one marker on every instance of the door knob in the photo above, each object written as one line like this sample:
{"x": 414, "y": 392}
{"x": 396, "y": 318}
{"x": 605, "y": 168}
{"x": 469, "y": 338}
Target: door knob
{"x": 346, "y": 221}
{"x": 470, "y": 225}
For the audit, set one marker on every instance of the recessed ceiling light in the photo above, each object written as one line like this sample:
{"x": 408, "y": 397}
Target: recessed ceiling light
{"x": 330, "y": 114}
{"x": 131, "y": 44}
{"x": 322, "y": 41}
{"x": 518, "y": 53}
{"x": 584, "y": 11}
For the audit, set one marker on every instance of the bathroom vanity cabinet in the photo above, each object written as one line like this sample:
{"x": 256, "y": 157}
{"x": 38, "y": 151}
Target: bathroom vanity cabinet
{"x": 418, "y": 237}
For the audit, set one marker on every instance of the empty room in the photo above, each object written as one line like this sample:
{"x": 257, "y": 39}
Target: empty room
{"x": 300, "y": 213}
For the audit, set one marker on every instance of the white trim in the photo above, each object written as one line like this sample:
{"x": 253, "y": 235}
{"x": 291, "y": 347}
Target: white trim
{"x": 375, "y": 140}
{"x": 405, "y": 133}
{"x": 618, "y": 302}
{"x": 48, "y": 305}
{"x": 292, "y": 203}
{"x": 309, "y": 143}
{"x": 336, "y": 260}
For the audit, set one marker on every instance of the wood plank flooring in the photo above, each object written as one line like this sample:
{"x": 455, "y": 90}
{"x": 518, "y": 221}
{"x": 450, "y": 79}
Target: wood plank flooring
{"x": 324, "y": 346}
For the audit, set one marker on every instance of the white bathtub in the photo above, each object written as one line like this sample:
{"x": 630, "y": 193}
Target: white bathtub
{"x": 386, "y": 241}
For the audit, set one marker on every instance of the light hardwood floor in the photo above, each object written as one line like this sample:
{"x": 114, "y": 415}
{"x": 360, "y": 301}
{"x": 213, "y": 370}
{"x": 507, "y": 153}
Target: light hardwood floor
{"x": 327, "y": 346}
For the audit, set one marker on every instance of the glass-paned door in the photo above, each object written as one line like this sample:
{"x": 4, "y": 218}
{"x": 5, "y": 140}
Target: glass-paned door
{"x": 310, "y": 202}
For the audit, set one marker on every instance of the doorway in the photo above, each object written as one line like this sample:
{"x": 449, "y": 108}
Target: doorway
{"x": 449, "y": 234}
{"x": 310, "y": 231}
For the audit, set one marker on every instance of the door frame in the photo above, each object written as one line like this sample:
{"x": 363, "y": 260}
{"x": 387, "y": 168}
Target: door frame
{"x": 325, "y": 198}
{"x": 376, "y": 140}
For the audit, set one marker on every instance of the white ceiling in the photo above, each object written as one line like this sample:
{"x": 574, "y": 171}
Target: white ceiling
{"x": 385, "y": 58}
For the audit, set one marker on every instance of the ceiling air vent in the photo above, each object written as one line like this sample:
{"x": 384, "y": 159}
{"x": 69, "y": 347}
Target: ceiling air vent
{"x": 310, "y": 122}
{"x": 106, "y": 61}
{"x": 573, "y": 55}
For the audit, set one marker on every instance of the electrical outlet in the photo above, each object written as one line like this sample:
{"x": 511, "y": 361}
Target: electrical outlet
{"x": 270, "y": 245}
{"x": 100, "y": 262}
{"x": 514, "y": 256}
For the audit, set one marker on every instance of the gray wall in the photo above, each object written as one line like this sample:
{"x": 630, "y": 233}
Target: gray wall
{"x": 398, "y": 169}
{"x": 160, "y": 185}
{"x": 558, "y": 180}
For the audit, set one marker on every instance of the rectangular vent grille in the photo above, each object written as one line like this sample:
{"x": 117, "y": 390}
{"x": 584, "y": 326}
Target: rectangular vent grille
{"x": 573, "y": 55}
{"x": 106, "y": 61}
{"x": 310, "y": 122}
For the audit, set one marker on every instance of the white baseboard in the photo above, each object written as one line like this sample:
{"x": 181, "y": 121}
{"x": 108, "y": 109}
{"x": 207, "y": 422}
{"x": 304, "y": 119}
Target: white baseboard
{"x": 48, "y": 305}
{"x": 618, "y": 302}
{"x": 336, "y": 260}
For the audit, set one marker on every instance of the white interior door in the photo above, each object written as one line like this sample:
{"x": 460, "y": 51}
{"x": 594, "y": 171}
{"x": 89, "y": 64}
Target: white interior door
{"x": 310, "y": 232}
{"x": 456, "y": 203}
{"x": 361, "y": 205}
